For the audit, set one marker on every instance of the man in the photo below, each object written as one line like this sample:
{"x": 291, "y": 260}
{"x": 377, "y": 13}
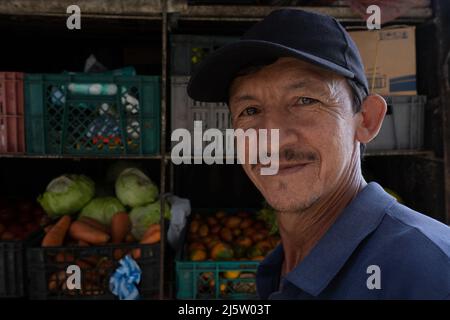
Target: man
{"x": 342, "y": 238}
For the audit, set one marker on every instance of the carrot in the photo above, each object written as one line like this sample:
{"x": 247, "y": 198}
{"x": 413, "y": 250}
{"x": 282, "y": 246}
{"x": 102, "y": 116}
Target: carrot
{"x": 7, "y": 236}
{"x": 91, "y": 289}
{"x": 65, "y": 290}
{"x": 94, "y": 223}
{"x": 55, "y": 280}
{"x": 82, "y": 243}
{"x": 104, "y": 266}
{"x": 55, "y": 236}
{"x": 118, "y": 253}
{"x": 91, "y": 276}
{"x": 129, "y": 238}
{"x": 120, "y": 227}
{"x": 151, "y": 236}
{"x": 64, "y": 257}
{"x": 83, "y": 264}
{"x": 136, "y": 253}
{"x": 48, "y": 228}
{"x": 82, "y": 231}
{"x": 90, "y": 260}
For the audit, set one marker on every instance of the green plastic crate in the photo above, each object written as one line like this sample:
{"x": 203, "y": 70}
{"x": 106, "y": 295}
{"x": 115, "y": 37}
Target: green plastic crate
{"x": 207, "y": 280}
{"x": 92, "y": 114}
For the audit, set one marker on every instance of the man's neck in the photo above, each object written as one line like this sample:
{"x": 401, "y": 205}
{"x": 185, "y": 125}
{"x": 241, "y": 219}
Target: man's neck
{"x": 300, "y": 231}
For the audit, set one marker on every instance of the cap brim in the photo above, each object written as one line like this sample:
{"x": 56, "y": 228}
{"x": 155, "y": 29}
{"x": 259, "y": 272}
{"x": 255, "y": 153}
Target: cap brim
{"x": 211, "y": 81}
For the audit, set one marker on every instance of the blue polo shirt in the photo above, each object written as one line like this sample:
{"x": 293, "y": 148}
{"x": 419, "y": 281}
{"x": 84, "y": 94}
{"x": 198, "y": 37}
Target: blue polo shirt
{"x": 376, "y": 249}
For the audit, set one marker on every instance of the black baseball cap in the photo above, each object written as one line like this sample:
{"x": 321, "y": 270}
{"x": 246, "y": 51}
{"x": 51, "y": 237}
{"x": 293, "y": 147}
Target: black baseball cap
{"x": 311, "y": 37}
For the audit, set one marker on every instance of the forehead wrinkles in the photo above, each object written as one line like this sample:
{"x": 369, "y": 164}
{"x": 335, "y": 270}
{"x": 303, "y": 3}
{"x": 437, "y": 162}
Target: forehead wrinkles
{"x": 329, "y": 87}
{"x": 258, "y": 85}
{"x": 335, "y": 92}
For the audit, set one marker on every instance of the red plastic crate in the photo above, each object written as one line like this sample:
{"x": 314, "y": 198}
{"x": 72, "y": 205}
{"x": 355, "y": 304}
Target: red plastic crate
{"x": 12, "y": 135}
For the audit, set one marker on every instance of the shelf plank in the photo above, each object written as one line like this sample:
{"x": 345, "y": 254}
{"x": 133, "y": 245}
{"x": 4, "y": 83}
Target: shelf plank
{"x": 255, "y": 13}
{"x": 375, "y": 153}
{"x": 111, "y": 8}
{"x": 371, "y": 153}
{"x": 151, "y": 10}
{"x": 79, "y": 157}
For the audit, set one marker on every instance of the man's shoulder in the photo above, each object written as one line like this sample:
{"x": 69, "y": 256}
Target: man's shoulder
{"x": 418, "y": 229}
{"x": 414, "y": 252}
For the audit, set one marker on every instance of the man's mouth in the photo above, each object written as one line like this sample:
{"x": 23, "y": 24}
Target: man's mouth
{"x": 287, "y": 168}
{"x": 291, "y": 168}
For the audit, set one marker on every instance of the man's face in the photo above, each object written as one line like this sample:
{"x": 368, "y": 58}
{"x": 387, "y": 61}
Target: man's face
{"x": 312, "y": 108}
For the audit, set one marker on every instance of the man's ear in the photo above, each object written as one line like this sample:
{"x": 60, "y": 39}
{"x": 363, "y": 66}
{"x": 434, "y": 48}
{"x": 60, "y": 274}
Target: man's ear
{"x": 373, "y": 110}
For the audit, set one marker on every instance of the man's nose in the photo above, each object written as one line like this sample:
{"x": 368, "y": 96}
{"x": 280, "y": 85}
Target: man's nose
{"x": 288, "y": 130}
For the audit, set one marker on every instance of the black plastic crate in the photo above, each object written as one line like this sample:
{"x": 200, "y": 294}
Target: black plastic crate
{"x": 13, "y": 278}
{"x": 47, "y": 271}
{"x": 12, "y": 272}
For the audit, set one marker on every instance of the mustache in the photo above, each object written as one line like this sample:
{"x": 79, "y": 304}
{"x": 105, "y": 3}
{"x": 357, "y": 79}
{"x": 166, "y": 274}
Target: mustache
{"x": 294, "y": 155}
{"x": 291, "y": 154}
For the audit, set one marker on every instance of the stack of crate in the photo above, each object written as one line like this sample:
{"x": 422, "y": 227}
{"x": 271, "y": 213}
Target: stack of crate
{"x": 12, "y": 135}
{"x": 187, "y": 53}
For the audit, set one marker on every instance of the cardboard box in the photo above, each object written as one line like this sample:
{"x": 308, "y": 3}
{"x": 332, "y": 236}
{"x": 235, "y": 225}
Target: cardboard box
{"x": 389, "y": 57}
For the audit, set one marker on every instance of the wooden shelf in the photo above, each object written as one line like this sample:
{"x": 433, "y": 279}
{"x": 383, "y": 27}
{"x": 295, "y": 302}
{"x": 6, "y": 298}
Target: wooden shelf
{"x": 376, "y": 153}
{"x": 80, "y": 157}
{"x": 151, "y": 10}
{"x": 372, "y": 153}
{"x": 255, "y": 13}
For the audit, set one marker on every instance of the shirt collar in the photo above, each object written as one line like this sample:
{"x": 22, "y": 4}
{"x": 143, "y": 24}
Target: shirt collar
{"x": 320, "y": 266}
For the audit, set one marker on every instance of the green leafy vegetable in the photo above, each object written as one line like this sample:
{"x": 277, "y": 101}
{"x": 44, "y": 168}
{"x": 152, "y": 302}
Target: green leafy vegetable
{"x": 135, "y": 189}
{"x": 67, "y": 194}
{"x": 142, "y": 217}
{"x": 102, "y": 209}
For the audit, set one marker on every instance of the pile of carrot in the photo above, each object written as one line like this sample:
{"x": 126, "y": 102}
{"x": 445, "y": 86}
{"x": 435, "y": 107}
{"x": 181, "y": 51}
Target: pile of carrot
{"x": 89, "y": 232}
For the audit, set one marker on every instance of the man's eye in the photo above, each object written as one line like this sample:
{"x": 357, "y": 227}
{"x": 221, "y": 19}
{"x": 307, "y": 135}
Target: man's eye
{"x": 249, "y": 111}
{"x": 305, "y": 101}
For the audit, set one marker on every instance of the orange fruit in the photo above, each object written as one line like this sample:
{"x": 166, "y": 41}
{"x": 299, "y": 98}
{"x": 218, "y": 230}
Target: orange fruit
{"x": 233, "y": 222}
{"x": 245, "y": 242}
{"x": 221, "y": 251}
{"x": 196, "y": 245}
{"x": 226, "y": 235}
{"x": 203, "y": 230}
{"x": 246, "y": 223}
{"x": 198, "y": 255}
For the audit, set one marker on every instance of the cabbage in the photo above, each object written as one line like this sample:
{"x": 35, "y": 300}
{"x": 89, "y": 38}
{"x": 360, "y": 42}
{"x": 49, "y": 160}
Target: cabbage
{"x": 102, "y": 209}
{"x": 116, "y": 168}
{"x": 67, "y": 194}
{"x": 142, "y": 217}
{"x": 135, "y": 189}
